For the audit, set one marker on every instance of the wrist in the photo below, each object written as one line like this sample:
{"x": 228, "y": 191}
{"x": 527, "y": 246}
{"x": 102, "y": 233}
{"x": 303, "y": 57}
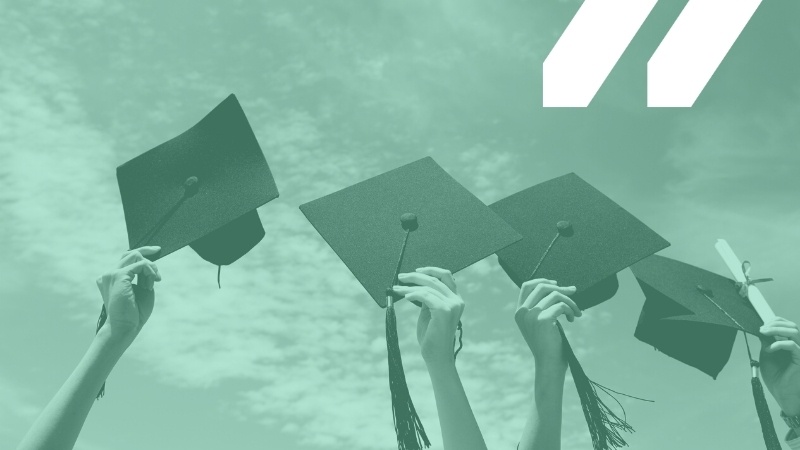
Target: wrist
{"x": 440, "y": 365}
{"x": 550, "y": 368}
{"x": 112, "y": 343}
{"x": 549, "y": 379}
{"x": 438, "y": 357}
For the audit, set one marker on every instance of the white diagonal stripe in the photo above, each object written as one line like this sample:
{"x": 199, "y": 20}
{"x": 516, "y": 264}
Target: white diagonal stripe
{"x": 589, "y": 48}
{"x": 693, "y": 49}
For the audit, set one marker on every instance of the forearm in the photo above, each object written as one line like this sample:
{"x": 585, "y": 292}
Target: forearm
{"x": 459, "y": 428}
{"x": 543, "y": 428}
{"x": 60, "y": 423}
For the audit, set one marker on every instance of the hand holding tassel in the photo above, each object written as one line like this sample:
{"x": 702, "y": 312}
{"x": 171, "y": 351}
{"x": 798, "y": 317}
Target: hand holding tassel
{"x": 541, "y": 302}
{"x": 441, "y": 310}
{"x": 780, "y": 364}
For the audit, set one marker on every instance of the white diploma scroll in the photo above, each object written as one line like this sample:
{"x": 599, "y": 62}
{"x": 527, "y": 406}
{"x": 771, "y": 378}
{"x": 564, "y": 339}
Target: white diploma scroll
{"x": 753, "y": 294}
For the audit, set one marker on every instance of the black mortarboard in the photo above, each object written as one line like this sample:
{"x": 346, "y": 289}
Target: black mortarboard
{"x": 410, "y": 217}
{"x": 693, "y": 315}
{"x": 200, "y": 188}
{"x": 573, "y": 233}
{"x": 576, "y": 235}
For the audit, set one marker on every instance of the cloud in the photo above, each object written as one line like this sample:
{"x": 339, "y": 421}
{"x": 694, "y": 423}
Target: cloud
{"x": 290, "y": 320}
{"x": 16, "y": 408}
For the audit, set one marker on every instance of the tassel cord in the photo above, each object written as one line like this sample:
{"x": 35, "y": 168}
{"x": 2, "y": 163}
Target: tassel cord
{"x": 407, "y": 423}
{"x": 460, "y": 331}
{"x": 604, "y": 425}
{"x": 101, "y": 320}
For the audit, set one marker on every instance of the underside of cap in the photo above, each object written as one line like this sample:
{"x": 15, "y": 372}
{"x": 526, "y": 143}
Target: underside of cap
{"x": 598, "y": 293}
{"x": 230, "y": 242}
{"x": 586, "y": 298}
{"x": 704, "y": 346}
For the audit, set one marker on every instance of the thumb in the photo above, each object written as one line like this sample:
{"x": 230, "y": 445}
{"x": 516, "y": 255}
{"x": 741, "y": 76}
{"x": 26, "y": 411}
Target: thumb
{"x": 145, "y": 301}
{"x": 145, "y": 282}
{"x": 423, "y": 321}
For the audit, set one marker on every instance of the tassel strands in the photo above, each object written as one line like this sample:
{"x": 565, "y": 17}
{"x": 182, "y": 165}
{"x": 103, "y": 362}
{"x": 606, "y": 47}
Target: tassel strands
{"x": 407, "y": 424}
{"x": 762, "y": 409}
{"x": 604, "y": 425}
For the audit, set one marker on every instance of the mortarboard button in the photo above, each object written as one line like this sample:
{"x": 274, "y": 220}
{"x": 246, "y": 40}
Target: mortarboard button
{"x": 565, "y": 228}
{"x": 705, "y": 290}
{"x": 409, "y": 221}
{"x": 191, "y": 186}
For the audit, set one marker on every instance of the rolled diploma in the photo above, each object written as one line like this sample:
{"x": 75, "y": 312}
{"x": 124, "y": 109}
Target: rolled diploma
{"x": 753, "y": 294}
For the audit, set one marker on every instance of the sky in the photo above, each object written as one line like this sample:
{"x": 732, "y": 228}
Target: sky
{"x": 289, "y": 354}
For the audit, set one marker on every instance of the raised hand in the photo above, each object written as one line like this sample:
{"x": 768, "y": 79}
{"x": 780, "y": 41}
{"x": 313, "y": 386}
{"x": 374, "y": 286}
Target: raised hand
{"x": 129, "y": 305}
{"x": 541, "y": 302}
{"x": 436, "y": 329}
{"x": 441, "y": 310}
{"x": 780, "y": 364}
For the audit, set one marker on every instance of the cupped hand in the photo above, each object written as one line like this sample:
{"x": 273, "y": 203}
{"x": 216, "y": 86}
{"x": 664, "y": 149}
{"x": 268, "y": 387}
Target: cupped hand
{"x": 441, "y": 310}
{"x": 541, "y": 302}
{"x": 128, "y": 305}
{"x": 780, "y": 364}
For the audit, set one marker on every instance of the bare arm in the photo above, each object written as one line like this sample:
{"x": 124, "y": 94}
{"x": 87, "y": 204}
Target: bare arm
{"x": 540, "y": 304}
{"x": 128, "y": 307}
{"x": 436, "y": 329}
{"x": 61, "y": 421}
{"x": 459, "y": 428}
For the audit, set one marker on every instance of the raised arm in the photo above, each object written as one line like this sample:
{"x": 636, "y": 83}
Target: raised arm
{"x": 128, "y": 307}
{"x": 540, "y": 304}
{"x": 780, "y": 369}
{"x": 436, "y": 330}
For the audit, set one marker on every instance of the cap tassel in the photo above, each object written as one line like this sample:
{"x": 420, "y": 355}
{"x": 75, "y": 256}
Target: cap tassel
{"x": 407, "y": 424}
{"x": 764, "y": 417}
{"x": 604, "y": 425}
{"x": 100, "y": 321}
{"x": 460, "y": 338}
{"x": 762, "y": 409}
{"x": 219, "y": 274}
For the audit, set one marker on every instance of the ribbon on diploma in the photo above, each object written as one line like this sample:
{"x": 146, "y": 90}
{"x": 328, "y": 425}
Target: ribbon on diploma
{"x": 743, "y": 286}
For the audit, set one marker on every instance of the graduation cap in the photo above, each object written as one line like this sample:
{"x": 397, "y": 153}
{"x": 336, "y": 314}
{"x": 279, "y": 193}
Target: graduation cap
{"x": 199, "y": 189}
{"x": 693, "y": 316}
{"x": 575, "y": 234}
{"x": 410, "y": 217}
